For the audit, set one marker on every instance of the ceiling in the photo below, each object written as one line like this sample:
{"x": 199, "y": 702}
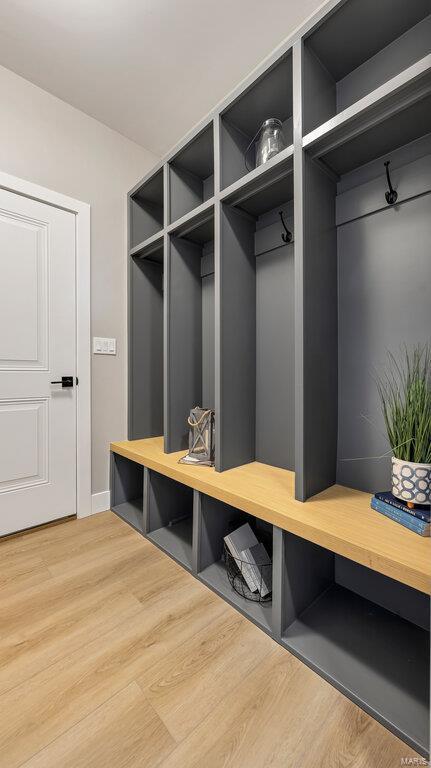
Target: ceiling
{"x": 149, "y": 69}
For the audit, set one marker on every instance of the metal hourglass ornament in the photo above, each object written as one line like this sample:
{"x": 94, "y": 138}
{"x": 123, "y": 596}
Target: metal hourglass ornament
{"x": 267, "y": 142}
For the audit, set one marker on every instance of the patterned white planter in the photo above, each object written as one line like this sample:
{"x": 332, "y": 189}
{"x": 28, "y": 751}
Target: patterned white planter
{"x": 411, "y": 482}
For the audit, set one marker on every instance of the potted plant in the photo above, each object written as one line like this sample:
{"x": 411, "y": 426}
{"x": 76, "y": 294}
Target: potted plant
{"x": 405, "y": 393}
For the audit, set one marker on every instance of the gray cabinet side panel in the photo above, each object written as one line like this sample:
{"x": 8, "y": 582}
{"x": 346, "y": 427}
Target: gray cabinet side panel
{"x": 384, "y": 305}
{"x": 236, "y": 421}
{"x": 145, "y": 349}
{"x": 275, "y": 351}
{"x": 184, "y": 338}
{"x": 208, "y": 349}
{"x": 320, "y": 330}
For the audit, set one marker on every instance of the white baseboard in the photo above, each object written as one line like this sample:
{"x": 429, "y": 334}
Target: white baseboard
{"x": 100, "y": 502}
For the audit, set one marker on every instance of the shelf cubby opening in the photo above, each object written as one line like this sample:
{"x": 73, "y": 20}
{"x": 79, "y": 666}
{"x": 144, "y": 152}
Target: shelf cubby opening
{"x": 365, "y": 633}
{"x": 357, "y": 48}
{"x": 216, "y": 520}
{"x": 257, "y": 332}
{"x": 145, "y": 401}
{"x": 268, "y": 97}
{"x": 146, "y": 210}
{"x": 169, "y": 517}
{"x": 368, "y": 273}
{"x": 191, "y": 175}
{"x": 127, "y": 488}
{"x": 191, "y": 355}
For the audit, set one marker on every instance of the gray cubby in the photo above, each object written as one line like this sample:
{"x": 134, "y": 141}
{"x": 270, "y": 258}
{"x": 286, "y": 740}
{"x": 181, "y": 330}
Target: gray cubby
{"x": 213, "y": 521}
{"x": 367, "y": 290}
{"x": 269, "y": 96}
{"x": 257, "y": 331}
{"x": 190, "y": 308}
{"x": 145, "y": 402}
{"x": 168, "y": 517}
{"x": 365, "y": 633}
{"x": 146, "y": 210}
{"x": 127, "y": 491}
{"x": 191, "y": 175}
{"x": 356, "y": 49}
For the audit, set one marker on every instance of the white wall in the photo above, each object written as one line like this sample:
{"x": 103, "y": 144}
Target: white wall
{"x": 48, "y": 142}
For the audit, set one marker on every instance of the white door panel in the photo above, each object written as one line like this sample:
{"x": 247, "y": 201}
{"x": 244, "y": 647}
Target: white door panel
{"x": 37, "y": 346}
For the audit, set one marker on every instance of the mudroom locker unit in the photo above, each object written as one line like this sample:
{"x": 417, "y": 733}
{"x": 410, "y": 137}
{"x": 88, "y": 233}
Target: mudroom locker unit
{"x": 284, "y": 339}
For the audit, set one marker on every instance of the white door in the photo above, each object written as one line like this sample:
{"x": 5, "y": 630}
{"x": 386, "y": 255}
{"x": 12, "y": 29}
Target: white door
{"x": 37, "y": 348}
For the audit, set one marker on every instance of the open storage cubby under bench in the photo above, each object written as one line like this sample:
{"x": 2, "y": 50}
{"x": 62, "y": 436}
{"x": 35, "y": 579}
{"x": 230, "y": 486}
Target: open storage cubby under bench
{"x": 365, "y": 633}
{"x": 216, "y": 520}
{"x": 358, "y": 614}
{"x": 168, "y": 517}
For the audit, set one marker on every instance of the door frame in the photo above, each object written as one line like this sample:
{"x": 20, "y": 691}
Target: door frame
{"x": 83, "y": 328}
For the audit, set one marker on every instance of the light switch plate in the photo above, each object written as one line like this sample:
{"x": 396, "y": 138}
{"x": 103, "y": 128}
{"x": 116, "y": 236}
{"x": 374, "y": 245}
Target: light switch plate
{"x": 104, "y": 346}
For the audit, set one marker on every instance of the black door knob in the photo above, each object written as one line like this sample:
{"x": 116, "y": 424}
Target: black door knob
{"x": 65, "y": 381}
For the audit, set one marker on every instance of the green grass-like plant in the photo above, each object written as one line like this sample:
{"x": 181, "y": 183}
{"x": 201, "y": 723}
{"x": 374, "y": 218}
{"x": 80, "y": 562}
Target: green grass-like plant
{"x": 405, "y": 393}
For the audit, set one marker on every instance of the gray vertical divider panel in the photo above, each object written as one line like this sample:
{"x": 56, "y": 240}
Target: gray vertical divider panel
{"x": 298, "y": 183}
{"x": 217, "y": 294}
{"x": 237, "y": 307}
{"x": 145, "y": 348}
{"x": 196, "y": 536}
{"x": 278, "y": 582}
{"x": 184, "y": 351}
{"x": 166, "y": 380}
{"x": 319, "y": 330}
{"x": 208, "y": 353}
{"x": 146, "y": 501}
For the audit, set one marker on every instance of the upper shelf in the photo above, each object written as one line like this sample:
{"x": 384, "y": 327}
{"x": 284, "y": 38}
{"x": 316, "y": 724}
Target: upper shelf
{"x": 339, "y": 519}
{"x": 146, "y": 210}
{"x": 391, "y": 116}
{"x": 151, "y": 248}
{"x": 191, "y": 175}
{"x": 270, "y": 96}
{"x": 264, "y": 187}
{"x": 357, "y": 48}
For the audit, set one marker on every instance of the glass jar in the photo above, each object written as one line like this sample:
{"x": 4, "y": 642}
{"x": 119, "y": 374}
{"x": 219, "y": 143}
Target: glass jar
{"x": 269, "y": 140}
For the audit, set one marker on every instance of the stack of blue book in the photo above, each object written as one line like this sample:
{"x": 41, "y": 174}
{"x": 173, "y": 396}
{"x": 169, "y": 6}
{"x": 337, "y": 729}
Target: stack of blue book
{"x": 416, "y": 519}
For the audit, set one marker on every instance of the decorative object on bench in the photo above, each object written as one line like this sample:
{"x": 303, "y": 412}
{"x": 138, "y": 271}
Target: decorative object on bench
{"x": 416, "y": 519}
{"x": 248, "y": 565}
{"x": 267, "y": 142}
{"x": 405, "y": 393}
{"x": 201, "y": 437}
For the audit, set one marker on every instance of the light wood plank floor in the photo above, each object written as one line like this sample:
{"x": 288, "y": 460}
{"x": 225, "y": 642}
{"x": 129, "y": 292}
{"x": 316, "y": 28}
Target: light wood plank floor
{"x": 112, "y": 655}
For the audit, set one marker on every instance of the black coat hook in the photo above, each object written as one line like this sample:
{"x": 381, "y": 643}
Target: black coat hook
{"x": 391, "y": 195}
{"x": 287, "y": 238}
